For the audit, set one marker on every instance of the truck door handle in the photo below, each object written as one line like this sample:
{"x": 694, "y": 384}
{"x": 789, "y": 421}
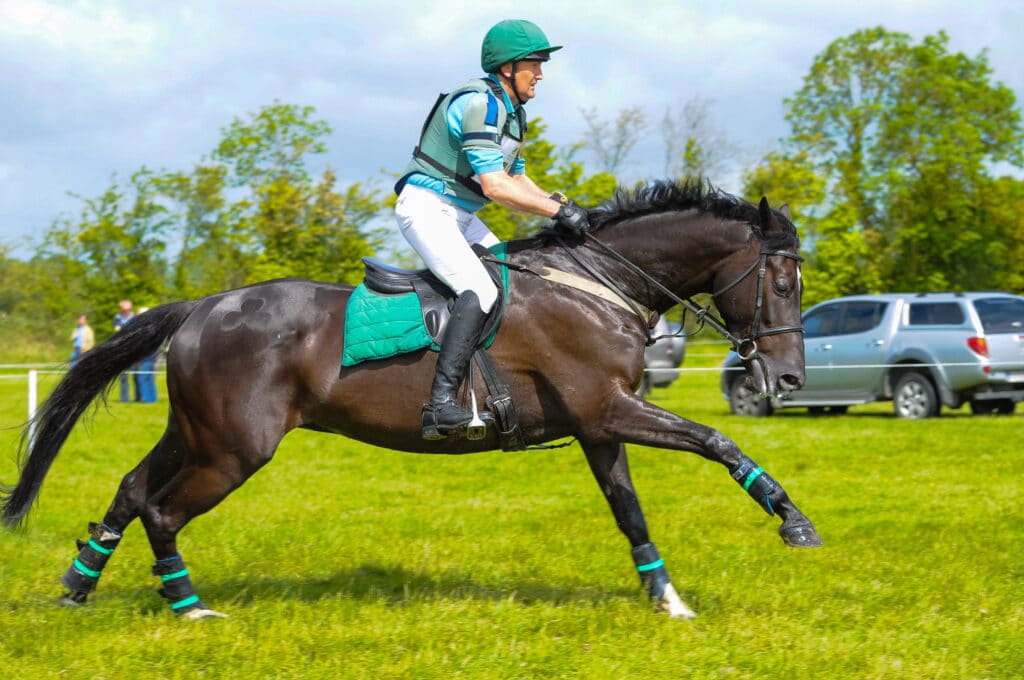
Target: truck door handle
{"x": 876, "y": 343}
{"x": 826, "y": 347}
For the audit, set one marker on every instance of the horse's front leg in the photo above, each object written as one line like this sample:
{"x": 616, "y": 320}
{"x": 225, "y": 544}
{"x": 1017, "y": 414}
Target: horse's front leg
{"x": 630, "y": 419}
{"x": 611, "y": 470}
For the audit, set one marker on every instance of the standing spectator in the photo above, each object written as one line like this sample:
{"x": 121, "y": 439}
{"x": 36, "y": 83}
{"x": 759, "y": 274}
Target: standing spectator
{"x": 145, "y": 381}
{"x": 121, "y": 319}
{"x": 82, "y": 339}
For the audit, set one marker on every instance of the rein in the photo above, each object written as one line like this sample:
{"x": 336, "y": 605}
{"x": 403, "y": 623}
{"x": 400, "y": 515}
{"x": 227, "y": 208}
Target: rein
{"x": 645, "y": 315}
{"x": 746, "y": 347}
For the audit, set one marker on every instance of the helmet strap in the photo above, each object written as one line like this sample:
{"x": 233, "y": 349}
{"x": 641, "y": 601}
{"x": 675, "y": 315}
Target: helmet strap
{"x": 512, "y": 82}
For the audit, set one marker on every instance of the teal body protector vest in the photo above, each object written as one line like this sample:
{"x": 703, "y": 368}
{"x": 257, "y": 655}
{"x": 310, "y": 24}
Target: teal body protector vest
{"x": 440, "y": 155}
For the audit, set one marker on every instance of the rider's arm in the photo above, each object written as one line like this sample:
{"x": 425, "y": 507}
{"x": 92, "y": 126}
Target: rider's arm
{"x": 517, "y": 192}
{"x": 471, "y": 120}
{"x": 525, "y": 179}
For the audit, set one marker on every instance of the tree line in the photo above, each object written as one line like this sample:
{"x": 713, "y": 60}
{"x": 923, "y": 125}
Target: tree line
{"x": 897, "y": 168}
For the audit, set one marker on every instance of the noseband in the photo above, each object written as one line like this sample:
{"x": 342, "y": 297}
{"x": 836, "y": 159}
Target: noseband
{"x": 746, "y": 347}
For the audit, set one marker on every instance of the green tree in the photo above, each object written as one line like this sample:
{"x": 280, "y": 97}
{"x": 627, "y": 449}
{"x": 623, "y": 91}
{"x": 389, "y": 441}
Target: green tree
{"x": 215, "y": 241}
{"x": 274, "y": 142}
{"x": 1003, "y": 212}
{"x": 287, "y": 224}
{"x": 904, "y": 137}
{"x": 12, "y": 292}
{"x": 314, "y": 231}
{"x": 114, "y": 249}
{"x": 787, "y": 179}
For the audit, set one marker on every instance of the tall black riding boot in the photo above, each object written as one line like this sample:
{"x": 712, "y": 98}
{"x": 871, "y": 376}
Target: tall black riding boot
{"x": 443, "y": 414}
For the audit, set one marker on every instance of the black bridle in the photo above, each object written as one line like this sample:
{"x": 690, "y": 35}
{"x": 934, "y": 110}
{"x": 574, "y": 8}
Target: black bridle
{"x": 750, "y": 342}
{"x": 746, "y": 347}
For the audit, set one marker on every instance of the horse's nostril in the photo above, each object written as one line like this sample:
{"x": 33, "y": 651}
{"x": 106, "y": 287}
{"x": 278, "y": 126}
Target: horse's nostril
{"x": 790, "y": 381}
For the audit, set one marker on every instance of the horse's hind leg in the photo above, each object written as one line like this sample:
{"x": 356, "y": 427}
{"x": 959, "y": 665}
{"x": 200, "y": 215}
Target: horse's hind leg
{"x": 215, "y": 464}
{"x": 610, "y": 466}
{"x": 155, "y": 470}
{"x": 191, "y": 492}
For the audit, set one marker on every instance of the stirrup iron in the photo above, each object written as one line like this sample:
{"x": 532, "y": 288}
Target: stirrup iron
{"x": 477, "y": 428}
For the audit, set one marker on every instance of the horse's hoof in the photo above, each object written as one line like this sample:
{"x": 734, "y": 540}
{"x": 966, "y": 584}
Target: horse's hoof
{"x": 800, "y": 535}
{"x": 196, "y": 614}
{"x": 74, "y": 598}
{"x": 673, "y": 604}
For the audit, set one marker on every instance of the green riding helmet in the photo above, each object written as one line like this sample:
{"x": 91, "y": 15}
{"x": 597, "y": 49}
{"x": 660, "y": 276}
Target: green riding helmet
{"x": 512, "y": 40}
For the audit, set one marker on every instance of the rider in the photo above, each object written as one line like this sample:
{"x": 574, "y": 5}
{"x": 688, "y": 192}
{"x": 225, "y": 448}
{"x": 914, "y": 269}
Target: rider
{"x": 469, "y": 154}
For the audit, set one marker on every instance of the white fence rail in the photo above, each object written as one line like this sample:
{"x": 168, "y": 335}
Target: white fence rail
{"x": 31, "y": 376}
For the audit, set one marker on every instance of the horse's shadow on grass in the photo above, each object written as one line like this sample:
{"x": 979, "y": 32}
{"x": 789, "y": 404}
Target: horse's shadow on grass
{"x": 393, "y": 586}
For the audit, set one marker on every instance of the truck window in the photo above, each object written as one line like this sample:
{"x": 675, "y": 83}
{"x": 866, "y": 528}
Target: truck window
{"x": 1001, "y": 315}
{"x": 936, "y": 314}
{"x": 860, "y": 317}
{"x": 822, "y": 321}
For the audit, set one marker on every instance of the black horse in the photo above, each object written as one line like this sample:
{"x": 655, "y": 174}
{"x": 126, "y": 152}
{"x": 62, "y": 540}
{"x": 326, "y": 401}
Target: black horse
{"x": 247, "y": 366}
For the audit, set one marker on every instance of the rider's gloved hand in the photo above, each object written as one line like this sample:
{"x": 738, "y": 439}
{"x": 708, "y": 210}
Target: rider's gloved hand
{"x": 570, "y": 217}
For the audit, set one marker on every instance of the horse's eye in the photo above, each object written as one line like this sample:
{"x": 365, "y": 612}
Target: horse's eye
{"x": 782, "y": 287}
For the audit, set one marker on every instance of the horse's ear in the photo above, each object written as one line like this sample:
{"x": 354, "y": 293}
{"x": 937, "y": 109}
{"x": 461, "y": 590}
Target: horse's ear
{"x": 765, "y": 212}
{"x": 784, "y": 209}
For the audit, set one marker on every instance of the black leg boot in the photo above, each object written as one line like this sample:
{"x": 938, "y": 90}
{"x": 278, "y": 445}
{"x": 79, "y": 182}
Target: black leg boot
{"x": 443, "y": 414}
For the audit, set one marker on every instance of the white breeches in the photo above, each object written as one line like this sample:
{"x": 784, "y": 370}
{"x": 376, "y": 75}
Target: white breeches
{"x": 441, "y": 233}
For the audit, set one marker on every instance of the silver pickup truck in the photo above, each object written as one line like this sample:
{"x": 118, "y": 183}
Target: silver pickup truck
{"x": 920, "y": 350}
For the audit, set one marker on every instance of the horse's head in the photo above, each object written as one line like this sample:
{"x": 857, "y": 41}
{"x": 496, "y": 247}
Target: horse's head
{"x": 678, "y": 239}
{"x": 757, "y": 291}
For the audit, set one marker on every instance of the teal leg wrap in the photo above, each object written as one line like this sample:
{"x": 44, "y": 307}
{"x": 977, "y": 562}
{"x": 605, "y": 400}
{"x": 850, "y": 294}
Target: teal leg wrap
{"x": 177, "y": 586}
{"x": 86, "y": 569}
{"x": 756, "y": 482}
{"x": 651, "y": 569}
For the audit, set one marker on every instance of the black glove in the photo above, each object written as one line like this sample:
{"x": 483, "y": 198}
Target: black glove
{"x": 570, "y": 217}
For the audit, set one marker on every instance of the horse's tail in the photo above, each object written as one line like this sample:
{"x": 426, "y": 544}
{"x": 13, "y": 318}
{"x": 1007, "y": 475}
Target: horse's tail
{"x": 88, "y": 378}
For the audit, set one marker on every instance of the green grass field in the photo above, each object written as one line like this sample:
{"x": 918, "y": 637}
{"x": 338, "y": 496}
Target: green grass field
{"x": 340, "y": 560}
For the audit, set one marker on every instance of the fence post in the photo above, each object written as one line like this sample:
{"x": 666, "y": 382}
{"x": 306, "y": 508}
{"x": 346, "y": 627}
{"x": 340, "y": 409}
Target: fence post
{"x": 33, "y": 394}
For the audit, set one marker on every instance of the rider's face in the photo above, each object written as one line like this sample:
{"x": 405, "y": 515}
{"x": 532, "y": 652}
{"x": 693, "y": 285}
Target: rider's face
{"x": 527, "y": 73}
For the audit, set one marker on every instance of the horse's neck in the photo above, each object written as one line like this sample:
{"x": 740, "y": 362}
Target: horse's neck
{"x": 681, "y": 253}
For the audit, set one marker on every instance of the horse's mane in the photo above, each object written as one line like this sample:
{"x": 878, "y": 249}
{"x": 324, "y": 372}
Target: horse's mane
{"x": 690, "y": 194}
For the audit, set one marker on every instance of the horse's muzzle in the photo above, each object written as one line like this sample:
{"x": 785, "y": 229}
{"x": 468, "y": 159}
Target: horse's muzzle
{"x": 769, "y": 383}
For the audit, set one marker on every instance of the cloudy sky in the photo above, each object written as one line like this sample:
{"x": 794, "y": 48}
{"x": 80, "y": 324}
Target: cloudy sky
{"x": 94, "y": 89}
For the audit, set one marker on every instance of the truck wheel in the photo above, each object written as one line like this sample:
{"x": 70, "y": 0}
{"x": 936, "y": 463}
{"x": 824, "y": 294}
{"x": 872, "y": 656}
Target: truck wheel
{"x": 744, "y": 402}
{"x": 915, "y": 397}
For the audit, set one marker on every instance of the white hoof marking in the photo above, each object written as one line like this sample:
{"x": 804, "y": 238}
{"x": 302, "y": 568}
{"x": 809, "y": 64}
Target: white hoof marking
{"x": 671, "y": 603}
{"x": 196, "y": 614}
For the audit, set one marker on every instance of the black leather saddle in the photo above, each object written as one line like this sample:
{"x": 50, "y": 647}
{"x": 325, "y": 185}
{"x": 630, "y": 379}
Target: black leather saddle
{"x": 435, "y": 297}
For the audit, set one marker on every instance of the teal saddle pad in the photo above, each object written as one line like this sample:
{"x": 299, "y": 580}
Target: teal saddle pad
{"x": 379, "y": 325}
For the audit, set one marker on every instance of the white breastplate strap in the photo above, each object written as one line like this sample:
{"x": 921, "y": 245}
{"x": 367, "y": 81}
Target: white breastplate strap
{"x": 593, "y": 287}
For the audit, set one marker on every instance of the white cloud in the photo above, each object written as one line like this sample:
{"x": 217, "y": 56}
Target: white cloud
{"x": 94, "y": 31}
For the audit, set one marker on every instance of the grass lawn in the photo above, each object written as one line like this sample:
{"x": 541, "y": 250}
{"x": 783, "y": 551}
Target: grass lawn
{"x": 340, "y": 560}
